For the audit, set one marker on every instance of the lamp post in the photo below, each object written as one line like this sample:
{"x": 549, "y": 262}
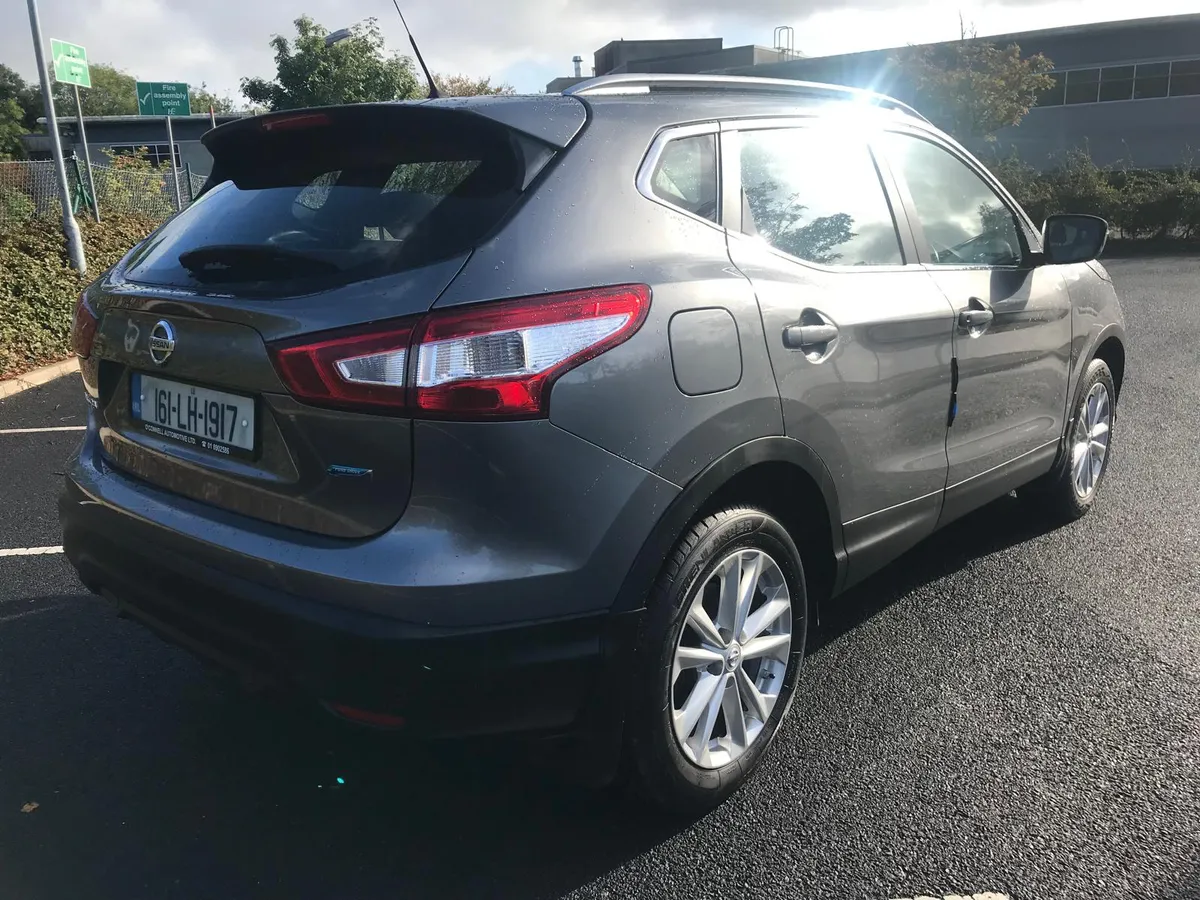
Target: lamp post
{"x": 70, "y": 226}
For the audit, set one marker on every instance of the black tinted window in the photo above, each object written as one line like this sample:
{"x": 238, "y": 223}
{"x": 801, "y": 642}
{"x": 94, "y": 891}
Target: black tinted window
{"x": 815, "y": 194}
{"x": 964, "y": 221}
{"x": 686, "y": 175}
{"x": 293, "y": 213}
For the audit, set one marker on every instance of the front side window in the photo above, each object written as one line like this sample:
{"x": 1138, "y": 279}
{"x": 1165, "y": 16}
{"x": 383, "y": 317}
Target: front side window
{"x": 686, "y": 175}
{"x": 964, "y": 220}
{"x": 816, "y": 195}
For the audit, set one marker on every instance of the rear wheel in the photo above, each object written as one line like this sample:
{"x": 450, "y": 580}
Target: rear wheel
{"x": 718, "y": 659}
{"x": 1069, "y": 491}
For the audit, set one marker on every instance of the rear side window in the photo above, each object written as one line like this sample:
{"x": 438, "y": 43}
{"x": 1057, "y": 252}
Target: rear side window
{"x": 302, "y": 211}
{"x": 686, "y": 175}
{"x": 815, "y": 194}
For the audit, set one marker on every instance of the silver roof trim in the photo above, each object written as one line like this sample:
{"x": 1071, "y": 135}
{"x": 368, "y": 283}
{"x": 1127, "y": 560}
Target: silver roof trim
{"x": 636, "y": 83}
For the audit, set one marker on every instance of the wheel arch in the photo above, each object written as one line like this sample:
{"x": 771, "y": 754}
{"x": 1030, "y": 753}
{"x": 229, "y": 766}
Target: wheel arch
{"x": 781, "y": 475}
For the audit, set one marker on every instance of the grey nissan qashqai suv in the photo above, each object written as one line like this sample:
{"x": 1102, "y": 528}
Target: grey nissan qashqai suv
{"x": 565, "y": 414}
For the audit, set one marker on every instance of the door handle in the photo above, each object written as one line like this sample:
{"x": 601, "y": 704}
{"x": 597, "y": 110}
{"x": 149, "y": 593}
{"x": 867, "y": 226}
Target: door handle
{"x": 977, "y": 315}
{"x": 805, "y": 336}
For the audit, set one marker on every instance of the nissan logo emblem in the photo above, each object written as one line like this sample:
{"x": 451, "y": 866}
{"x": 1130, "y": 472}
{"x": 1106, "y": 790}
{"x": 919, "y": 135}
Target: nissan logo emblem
{"x": 162, "y": 341}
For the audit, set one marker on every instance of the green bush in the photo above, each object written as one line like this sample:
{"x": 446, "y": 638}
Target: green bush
{"x": 38, "y": 288}
{"x": 16, "y": 208}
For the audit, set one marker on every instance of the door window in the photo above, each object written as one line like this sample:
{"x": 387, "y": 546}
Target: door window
{"x": 964, "y": 220}
{"x": 816, "y": 195}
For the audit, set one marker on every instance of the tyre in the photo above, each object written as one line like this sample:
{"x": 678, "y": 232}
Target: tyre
{"x": 717, "y": 659}
{"x": 1069, "y": 490}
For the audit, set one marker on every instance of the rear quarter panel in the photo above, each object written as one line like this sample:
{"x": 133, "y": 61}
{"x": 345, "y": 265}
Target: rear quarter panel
{"x": 588, "y": 225}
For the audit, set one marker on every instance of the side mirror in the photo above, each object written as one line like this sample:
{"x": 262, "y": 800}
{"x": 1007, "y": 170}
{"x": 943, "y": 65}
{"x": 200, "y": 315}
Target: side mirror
{"x": 1073, "y": 239}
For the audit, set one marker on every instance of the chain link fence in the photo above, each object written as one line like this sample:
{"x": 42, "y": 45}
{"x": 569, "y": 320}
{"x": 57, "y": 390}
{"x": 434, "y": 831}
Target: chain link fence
{"x": 29, "y": 189}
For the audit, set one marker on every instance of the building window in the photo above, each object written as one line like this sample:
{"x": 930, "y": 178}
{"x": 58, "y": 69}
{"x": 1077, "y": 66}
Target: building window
{"x": 1083, "y": 86}
{"x": 158, "y": 154}
{"x": 1185, "y": 77}
{"x": 1116, "y": 83}
{"x": 1055, "y": 95}
{"x": 1151, "y": 80}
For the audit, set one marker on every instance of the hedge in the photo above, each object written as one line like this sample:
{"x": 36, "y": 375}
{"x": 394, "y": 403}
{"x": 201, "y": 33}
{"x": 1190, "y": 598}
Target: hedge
{"x": 38, "y": 287}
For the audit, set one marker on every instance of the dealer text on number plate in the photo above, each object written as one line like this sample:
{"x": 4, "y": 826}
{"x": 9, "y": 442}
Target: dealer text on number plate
{"x": 202, "y": 417}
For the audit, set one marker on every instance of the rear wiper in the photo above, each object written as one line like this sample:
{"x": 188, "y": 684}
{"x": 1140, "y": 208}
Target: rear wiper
{"x": 235, "y": 262}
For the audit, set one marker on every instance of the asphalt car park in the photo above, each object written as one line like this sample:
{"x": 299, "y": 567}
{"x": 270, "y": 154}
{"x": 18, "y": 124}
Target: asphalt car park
{"x": 1006, "y": 710}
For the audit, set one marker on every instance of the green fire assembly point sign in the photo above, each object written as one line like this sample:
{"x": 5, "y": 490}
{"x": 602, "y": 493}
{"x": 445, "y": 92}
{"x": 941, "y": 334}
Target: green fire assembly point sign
{"x": 70, "y": 63}
{"x": 163, "y": 98}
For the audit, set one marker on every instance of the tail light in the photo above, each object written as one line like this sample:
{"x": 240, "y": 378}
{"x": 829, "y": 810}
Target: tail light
{"x": 492, "y": 361}
{"x": 83, "y": 328}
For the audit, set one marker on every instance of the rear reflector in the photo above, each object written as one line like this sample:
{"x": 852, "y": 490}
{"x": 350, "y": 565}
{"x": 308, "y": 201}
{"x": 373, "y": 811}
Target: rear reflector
{"x": 489, "y": 361}
{"x": 83, "y": 328}
{"x": 367, "y": 717}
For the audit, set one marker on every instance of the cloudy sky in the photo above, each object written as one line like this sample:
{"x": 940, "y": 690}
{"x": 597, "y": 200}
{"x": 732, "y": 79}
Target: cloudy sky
{"x": 523, "y": 42}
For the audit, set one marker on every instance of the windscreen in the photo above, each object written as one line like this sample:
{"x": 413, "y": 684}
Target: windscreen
{"x": 342, "y": 201}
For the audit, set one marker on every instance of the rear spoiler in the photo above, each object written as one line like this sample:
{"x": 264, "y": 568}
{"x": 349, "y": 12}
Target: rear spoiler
{"x": 550, "y": 118}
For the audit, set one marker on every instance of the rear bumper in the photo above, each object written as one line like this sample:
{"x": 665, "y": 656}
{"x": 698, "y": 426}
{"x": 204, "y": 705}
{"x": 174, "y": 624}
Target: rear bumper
{"x": 537, "y": 676}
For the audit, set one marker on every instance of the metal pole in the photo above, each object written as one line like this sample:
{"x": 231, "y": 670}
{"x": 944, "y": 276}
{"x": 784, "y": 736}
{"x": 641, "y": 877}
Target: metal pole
{"x": 187, "y": 171}
{"x": 70, "y": 227}
{"x": 212, "y": 117}
{"x": 87, "y": 156}
{"x": 174, "y": 171}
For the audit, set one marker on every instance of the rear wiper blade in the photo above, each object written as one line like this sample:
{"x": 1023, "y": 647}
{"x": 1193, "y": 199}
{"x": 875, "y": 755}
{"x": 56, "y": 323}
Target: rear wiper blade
{"x": 230, "y": 262}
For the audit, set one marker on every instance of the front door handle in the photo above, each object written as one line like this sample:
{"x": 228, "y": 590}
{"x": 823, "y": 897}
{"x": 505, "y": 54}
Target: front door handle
{"x": 803, "y": 337}
{"x": 977, "y": 315}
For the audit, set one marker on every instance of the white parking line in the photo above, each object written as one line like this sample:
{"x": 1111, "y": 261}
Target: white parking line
{"x": 43, "y": 430}
{"x": 31, "y": 551}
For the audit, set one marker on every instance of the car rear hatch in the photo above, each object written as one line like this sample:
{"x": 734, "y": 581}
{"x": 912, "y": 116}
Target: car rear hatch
{"x": 251, "y": 353}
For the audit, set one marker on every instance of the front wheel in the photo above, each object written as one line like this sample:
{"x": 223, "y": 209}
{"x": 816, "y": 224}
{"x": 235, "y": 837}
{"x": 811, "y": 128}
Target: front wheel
{"x": 717, "y": 661}
{"x": 1069, "y": 490}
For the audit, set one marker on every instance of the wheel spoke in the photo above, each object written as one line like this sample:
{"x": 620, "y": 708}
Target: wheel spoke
{"x": 708, "y": 719}
{"x": 697, "y": 702}
{"x": 700, "y": 622}
{"x": 735, "y": 718}
{"x": 1100, "y": 432}
{"x": 752, "y": 696}
{"x": 1080, "y": 453}
{"x": 730, "y": 575}
{"x": 769, "y": 645}
{"x": 751, "y": 571}
{"x": 764, "y": 617}
{"x": 696, "y": 657}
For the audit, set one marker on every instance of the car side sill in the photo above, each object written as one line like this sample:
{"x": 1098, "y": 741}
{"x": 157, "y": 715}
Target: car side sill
{"x": 974, "y": 492}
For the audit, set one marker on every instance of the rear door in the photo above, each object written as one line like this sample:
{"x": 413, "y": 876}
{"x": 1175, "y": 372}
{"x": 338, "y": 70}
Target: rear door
{"x": 858, "y": 333}
{"x": 319, "y": 233}
{"x": 1012, "y": 342}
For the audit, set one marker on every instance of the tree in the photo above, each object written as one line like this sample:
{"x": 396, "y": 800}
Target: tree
{"x": 28, "y": 96}
{"x": 113, "y": 93}
{"x": 466, "y": 86}
{"x": 202, "y": 99}
{"x": 972, "y": 88}
{"x": 355, "y": 69}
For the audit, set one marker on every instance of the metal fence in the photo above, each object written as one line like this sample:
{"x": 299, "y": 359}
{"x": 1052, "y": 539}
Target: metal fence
{"x": 29, "y": 189}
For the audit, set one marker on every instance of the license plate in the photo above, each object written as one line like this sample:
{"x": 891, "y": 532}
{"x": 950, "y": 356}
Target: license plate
{"x": 212, "y": 420}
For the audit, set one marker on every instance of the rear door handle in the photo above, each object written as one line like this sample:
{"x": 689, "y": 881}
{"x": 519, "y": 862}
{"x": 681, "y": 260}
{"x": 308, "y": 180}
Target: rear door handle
{"x": 807, "y": 336}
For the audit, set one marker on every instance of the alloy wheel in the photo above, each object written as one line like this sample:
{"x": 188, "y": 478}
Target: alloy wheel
{"x": 1090, "y": 441}
{"x": 731, "y": 659}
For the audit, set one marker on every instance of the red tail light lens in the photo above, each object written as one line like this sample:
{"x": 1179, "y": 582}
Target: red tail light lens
{"x": 83, "y": 328}
{"x": 499, "y": 360}
{"x": 359, "y": 368}
{"x": 491, "y": 361}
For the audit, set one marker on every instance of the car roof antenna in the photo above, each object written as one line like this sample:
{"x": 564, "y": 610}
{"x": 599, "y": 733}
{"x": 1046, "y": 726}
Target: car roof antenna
{"x": 433, "y": 91}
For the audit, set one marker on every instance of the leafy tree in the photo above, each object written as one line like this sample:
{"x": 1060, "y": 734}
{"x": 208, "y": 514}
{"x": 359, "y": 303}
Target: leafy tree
{"x": 113, "y": 93}
{"x": 28, "y": 96}
{"x": 355, "y": 69}
{"x": 202, "y": 98}
{"x": 11, "y": 129}
{"x": 973, "y": 88}
{"x": 466, "y": 86}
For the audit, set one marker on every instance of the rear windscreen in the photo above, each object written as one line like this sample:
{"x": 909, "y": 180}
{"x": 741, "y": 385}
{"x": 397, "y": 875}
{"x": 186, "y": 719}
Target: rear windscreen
{"x": 348, "y": 200}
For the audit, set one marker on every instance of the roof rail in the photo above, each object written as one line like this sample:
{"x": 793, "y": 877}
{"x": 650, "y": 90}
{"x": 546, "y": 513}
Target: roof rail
{"x": 637, "y": 83}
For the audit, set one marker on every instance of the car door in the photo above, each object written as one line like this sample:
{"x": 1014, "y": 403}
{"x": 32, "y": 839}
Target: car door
{"x": 859, "y": 336}
{"x": 1012, "y": 343}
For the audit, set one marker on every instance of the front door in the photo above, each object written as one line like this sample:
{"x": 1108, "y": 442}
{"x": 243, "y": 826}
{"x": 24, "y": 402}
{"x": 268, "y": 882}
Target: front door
{"x": 859, "y": 335}
{"x": 1012, "y": 341}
